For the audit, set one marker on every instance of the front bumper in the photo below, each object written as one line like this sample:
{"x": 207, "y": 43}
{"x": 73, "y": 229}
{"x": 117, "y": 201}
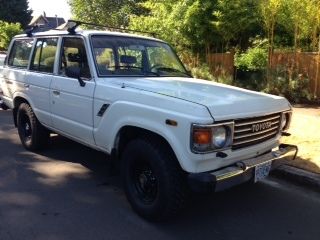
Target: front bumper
{"x": 240, "y": 172}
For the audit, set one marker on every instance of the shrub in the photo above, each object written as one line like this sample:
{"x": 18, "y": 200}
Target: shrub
{"x": 7, "y": 31}
{"x": 295, "y": 88}
{"x": 202, "y": 72}
{"x": 255, "y": 58}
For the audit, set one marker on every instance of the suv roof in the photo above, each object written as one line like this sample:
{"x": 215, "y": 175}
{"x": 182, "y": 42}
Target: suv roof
{"x": 86, "y": 33}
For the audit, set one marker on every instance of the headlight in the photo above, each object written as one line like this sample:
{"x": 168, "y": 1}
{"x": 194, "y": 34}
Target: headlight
{"x": 209, "y": 138}
{"x": 219, "y": 137}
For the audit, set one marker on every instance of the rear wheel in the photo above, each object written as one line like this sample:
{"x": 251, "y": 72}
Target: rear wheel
{"x": 32, "y": 134}
{"x": 154, "y": 183}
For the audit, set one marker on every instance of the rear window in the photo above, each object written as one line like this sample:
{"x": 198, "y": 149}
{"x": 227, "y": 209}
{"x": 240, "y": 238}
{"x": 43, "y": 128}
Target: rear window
{"x": 20, "y": 52}
{"x": 44, "y": 55}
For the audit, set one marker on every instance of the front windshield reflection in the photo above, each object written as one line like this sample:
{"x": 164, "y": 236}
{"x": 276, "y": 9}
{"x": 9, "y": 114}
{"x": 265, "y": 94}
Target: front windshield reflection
{"x": 129, "y": 56}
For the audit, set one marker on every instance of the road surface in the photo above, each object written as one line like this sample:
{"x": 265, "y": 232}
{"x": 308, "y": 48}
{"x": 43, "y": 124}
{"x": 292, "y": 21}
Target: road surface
{"x": 66, "y": 192}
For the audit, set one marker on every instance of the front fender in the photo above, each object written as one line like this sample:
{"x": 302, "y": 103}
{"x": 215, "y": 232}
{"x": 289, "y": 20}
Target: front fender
{"x": 121, "y": 114}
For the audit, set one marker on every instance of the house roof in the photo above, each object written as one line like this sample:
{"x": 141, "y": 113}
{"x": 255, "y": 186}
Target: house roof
{"x": 46, "y": 23}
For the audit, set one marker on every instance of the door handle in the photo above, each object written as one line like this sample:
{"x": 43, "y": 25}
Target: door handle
{"x": 8, "y": 81}
{"x": 26, "y": 85}
{"x": 56, "y": 92}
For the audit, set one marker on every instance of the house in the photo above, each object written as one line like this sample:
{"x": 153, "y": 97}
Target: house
{"x": 45, "y": 23}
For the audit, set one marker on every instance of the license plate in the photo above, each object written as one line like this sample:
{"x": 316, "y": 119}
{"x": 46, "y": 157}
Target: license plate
{"x": 262, "y": 171}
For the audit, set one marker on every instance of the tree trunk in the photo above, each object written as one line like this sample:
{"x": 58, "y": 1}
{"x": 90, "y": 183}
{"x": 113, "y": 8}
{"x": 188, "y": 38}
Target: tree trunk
{"x": 317, "y": 73}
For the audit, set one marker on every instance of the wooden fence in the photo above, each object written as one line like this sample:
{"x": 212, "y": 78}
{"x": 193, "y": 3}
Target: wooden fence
{"x": 306, "y": 64}
{"x": 221, "y": 64}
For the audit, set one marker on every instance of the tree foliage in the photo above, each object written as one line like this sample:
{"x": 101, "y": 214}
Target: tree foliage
{"x": 15, "y": 11}
{"x": 202, "y": 26}
{"x": 7, "y": 31}
{"x": 107, "y": 12}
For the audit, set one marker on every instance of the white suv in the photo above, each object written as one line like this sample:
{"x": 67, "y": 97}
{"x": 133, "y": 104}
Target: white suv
{"x": 131, "y": 97}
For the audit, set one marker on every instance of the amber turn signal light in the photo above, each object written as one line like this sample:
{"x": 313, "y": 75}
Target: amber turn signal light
{"x": 202, "y": 136}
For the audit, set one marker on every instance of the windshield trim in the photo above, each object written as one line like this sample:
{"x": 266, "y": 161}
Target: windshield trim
{"x": 187, "y": 74}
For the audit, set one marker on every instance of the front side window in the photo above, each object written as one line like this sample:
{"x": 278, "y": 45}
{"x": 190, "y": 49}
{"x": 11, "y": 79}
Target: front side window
{"x": 128, "y": 56}
{"x": 20, "y": 52}
{"x": 44, "y": 55}
{"x": 74, "y": 58}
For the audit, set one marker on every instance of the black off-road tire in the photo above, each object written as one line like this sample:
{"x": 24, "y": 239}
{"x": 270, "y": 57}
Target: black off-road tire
{"x": 169, "y": 189}
{"x": 4, "y": 106}
{"x": 32, "y": 134}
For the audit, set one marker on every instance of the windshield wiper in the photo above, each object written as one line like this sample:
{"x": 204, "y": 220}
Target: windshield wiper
{"x": 154, "y": 73}
{"x": 168, "y": 69}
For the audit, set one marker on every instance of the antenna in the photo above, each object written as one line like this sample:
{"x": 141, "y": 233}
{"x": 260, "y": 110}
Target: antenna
{"x": 73, "y": 24}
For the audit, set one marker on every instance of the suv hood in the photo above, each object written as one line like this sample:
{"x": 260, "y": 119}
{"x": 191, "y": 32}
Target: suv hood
{"x": 222, "y": 101}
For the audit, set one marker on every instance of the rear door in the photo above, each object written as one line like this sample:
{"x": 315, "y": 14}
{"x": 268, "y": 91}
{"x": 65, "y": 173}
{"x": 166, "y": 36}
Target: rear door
{"x": 71, "y": 103}
{"x": 40, "y": 75}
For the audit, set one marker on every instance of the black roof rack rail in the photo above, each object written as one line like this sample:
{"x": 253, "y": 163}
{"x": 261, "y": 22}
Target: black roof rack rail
{"x": 30, "y": 30}
{"x": 71, "y": 28}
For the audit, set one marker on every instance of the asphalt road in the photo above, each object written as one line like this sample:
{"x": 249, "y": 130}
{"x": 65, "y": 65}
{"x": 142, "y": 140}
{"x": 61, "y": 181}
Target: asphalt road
{"x": 66, "y": 192}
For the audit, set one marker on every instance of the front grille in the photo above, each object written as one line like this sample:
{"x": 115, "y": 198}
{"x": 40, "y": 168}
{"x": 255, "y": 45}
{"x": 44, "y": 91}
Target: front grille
{"x": 251, "y": 131}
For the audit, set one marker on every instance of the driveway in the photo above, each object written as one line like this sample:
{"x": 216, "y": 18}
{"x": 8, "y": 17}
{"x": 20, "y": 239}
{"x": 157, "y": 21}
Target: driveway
{"x": 66, "y": 192}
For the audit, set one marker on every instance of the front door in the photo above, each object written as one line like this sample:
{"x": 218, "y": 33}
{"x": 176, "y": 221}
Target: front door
{"x": 71, "y": 103}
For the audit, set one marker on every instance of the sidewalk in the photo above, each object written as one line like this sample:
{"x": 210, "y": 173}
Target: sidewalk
{"x": 305, "y": 130}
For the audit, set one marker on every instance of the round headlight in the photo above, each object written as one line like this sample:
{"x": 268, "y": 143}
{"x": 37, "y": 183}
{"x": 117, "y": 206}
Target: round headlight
{"x": 219, "y": 137}
{"x": 284, "y": 121}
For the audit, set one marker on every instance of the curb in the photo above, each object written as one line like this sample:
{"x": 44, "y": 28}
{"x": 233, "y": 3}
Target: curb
{"x": 298, "y": 176}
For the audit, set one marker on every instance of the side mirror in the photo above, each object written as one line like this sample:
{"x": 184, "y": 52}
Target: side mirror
{"x": 75, "y": 72}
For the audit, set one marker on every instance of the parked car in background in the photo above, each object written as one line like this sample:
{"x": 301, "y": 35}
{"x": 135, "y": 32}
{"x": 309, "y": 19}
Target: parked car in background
{"x": 2, "y": 58}
{"x": 2, "y": 104}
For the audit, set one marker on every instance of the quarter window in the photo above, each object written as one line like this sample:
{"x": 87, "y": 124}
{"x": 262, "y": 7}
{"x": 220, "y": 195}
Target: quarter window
{"x": 44, "y": 55}
{"x": 20, "y": 52}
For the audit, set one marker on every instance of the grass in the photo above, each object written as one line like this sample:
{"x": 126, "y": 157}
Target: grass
{"x": 305, "y": 130}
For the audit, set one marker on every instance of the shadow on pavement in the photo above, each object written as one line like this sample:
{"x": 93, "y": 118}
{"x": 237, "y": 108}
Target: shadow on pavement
{"x": 67, "y": 192}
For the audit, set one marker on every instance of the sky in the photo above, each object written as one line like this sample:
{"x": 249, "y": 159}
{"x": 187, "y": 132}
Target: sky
{"x": 51, "y": 7}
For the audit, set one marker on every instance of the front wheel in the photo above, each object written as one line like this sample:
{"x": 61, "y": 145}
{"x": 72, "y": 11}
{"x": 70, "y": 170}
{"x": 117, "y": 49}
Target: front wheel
{"x": 32, "y": 134}
{"x": 154, "y": 183}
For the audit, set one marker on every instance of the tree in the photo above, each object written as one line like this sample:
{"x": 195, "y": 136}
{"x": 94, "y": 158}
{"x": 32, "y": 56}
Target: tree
{"x": 186, "y": 24}
{"x": 237, "y": 21}
{"x": 7, "y": 31}
{"x": 106, "y": 12}
{"x": 15, "y": 11}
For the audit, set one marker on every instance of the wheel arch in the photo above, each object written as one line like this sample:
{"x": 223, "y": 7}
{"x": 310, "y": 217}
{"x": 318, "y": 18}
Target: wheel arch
{"x": 128, "y": 133}
{"x": 16, "y": 103}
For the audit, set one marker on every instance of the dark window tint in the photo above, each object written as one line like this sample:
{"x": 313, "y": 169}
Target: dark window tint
{"x": 20, "y": 52}
{"x": 44, "y": 55}
{"x": 73, "y": 57}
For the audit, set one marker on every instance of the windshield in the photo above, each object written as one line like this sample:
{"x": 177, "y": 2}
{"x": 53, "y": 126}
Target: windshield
{"x": 128, "y": 56}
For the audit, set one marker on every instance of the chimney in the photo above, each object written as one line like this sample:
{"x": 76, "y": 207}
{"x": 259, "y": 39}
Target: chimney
{"x": 57, "y": 20}
{"x": 44, "y": 14}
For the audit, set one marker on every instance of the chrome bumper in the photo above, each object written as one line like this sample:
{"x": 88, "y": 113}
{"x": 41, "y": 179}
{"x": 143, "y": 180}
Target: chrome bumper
{"x": 240, "y": 172}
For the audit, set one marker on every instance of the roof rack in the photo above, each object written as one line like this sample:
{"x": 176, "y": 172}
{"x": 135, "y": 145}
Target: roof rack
{"x": 30, "y": 30}
{"x": 71, "y": 26}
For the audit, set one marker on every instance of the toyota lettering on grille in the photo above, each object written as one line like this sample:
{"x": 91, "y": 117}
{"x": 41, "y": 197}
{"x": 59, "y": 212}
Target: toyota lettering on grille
{"x": 261, "y": 126}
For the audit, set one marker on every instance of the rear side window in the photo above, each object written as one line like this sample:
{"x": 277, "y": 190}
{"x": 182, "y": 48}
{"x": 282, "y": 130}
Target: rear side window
{"x": 44, "y": 55}
{"x": 20, "y": 52}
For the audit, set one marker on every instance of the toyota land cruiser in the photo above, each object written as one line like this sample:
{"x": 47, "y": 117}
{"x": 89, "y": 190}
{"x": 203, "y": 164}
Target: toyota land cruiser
{"x": 131, "y": 97}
